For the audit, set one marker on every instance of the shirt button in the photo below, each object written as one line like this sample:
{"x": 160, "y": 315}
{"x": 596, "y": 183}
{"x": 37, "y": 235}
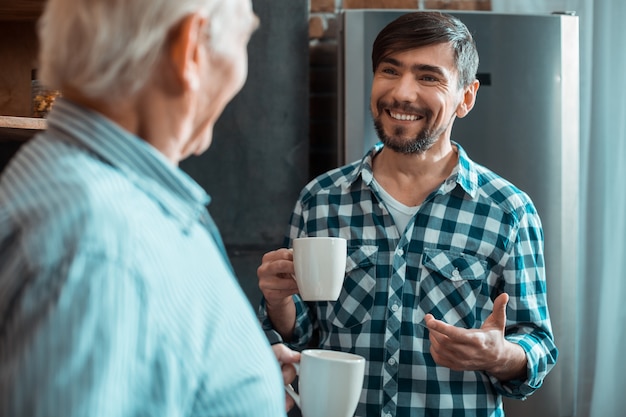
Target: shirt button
{"x": 400, "y": 252}
{"x": 395, "y": 308}
{"x": 456, "y": 273}
{"x": 391, "y": 361}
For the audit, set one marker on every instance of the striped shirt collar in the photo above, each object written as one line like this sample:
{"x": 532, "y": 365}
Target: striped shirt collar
{"x": 464, "y": 174}
{"x": 140, "y": 163}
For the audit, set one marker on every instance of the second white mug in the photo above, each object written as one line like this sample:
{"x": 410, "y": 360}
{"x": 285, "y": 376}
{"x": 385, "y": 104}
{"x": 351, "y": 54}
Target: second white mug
{"x": 330, "y": 383}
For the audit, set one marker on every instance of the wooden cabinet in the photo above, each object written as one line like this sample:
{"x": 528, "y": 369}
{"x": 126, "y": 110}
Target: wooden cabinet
{"x": 18, "y": 58}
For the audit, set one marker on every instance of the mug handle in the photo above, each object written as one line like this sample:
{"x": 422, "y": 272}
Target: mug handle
{"x": 289, "y": 389}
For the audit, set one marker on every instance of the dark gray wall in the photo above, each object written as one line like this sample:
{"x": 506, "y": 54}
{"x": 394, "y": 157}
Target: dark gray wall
{"x": 258, "y": 161}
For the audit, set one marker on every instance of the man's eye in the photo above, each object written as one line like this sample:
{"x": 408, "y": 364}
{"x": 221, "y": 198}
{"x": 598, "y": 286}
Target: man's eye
{"x": 390, "y": 71}
{"x": 429, "y": 79}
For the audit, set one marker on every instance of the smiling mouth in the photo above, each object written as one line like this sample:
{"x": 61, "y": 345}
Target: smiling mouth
{"x": 404, "y": 116}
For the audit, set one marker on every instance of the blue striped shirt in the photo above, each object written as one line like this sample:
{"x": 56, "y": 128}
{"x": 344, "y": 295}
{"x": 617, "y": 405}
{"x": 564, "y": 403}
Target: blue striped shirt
{"x": 115, "y": 296}
{"x": 473, "y": 238}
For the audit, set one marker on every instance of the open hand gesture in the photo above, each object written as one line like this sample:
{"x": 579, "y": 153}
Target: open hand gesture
{"x": 484, "y": 349}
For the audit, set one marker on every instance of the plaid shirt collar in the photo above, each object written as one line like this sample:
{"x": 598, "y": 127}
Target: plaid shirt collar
{"x": 464, "y": 174}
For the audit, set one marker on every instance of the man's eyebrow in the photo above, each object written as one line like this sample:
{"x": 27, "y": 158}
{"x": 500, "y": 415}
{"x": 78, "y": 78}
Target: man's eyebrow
{"x": 416, "y": 67}
{"x": 427, "y": 68}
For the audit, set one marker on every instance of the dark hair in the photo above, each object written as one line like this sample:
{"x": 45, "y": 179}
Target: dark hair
{"x": 424, "y": 28}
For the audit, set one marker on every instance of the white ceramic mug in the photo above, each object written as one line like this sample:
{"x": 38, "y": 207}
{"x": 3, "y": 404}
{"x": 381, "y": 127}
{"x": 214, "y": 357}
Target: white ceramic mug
{"x": 329, "y": 383}
{"x": 320, "y": 266}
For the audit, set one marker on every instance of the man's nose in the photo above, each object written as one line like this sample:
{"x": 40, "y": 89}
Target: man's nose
{"x": 406, "y": 89}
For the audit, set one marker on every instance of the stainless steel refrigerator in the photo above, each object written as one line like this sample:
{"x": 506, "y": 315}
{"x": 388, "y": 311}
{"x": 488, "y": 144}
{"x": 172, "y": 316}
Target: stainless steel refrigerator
{"x": 524, "y": 126}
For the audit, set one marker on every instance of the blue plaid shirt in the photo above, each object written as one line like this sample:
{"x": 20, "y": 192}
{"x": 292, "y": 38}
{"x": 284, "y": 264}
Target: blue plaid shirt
{"x": 473, "y": 238}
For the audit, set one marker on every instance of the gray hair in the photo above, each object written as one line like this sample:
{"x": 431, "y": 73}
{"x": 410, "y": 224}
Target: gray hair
{"x": 107, "y": 49}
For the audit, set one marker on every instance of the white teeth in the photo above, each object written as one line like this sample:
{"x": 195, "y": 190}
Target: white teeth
{"x": 401, "y": 116}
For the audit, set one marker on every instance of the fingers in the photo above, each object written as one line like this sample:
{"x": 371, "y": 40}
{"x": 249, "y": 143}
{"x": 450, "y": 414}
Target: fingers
{"x": 276, "y": 262}
{"x": 439, "y": 327}
{"x": 289, "y": 403}
{"x": 497, "y": 318}
{"x": 282, "y": 253}
{"x": 286, "y": 357}
{"x": 468, "y": 349}
{"x": 502, "y": 299}
{"x": 499, "y": 307}
{"x": 275, "y": 275}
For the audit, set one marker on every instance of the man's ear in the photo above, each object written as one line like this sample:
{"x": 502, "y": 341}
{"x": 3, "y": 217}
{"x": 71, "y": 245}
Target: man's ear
{"x": 185, "y": 44}
{"x": 469, "y": 98}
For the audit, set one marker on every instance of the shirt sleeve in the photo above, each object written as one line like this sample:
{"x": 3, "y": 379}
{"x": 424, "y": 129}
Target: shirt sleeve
{"x": 528, "y": 320}
{"x": 305, "y": 321}
{"x": 303, "y": 330}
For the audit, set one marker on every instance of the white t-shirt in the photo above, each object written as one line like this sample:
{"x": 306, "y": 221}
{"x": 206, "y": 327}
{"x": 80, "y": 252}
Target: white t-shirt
{"x": 401, "y": 213}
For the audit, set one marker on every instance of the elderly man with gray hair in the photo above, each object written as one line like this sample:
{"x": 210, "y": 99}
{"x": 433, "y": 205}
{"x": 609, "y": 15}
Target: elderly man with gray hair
{"x": 116, "y": 295}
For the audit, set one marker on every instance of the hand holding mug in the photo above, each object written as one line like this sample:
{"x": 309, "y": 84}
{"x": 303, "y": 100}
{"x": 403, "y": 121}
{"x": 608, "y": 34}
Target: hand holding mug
{"x": 287, "y": 358}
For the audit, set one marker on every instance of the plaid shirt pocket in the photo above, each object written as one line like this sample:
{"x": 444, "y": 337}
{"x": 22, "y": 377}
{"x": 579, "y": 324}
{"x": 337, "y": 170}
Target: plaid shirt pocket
{"x": 357, "y": 295}
{"x": 450, "y": 286}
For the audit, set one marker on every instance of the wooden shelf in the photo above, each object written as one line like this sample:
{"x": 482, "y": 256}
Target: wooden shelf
{"x": 20, "y": 10}
{"x": 20, "y": 128}
{"x": 18, "y": 56}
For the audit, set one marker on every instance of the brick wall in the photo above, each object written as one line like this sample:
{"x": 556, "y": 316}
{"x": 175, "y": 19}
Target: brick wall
{"x": 323, "y": 67}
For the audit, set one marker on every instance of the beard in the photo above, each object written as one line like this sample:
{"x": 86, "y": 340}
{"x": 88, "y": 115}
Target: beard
{"x": 418, "y": 144}
{"x": 398, "y": 141}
